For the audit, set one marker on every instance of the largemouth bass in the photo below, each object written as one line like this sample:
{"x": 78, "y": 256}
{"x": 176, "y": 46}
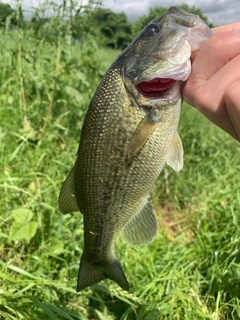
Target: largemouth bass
{"x": 129, "y": 133}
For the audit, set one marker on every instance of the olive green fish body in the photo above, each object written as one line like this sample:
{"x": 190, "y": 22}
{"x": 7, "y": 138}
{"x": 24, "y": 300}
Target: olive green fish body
{"x": 111, "y": 188}
{"x": 129, "y": 133}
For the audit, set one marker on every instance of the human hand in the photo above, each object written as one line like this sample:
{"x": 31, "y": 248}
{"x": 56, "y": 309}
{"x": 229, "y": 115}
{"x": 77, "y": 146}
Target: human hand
{"x": 213, "y": 86}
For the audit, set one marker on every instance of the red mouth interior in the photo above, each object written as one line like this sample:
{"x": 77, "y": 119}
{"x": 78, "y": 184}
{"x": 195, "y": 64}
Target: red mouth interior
{"x": 156, "y": 87}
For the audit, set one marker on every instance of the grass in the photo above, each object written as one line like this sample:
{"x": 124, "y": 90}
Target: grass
{"x": 192, "y": 270}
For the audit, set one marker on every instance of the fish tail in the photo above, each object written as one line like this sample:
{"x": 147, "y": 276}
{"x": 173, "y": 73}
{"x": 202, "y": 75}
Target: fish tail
{"x": 90, "y": 273}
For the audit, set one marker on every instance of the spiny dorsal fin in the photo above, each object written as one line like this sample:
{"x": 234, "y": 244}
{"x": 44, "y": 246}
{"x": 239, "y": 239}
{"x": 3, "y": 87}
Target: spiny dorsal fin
{"x": 142, "y": 228}
{"x": 67, "y": 201}
{"x": 175, "y": 153}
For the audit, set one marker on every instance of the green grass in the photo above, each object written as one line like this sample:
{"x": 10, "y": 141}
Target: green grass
{"x": 192, "y": 270}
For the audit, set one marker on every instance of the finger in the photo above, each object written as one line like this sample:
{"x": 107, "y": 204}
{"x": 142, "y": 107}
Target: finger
{"x": 210, "y": 98}
{"x": 228, "y": 27}
{"x": 213, "y": 90}
{"x": 232, "y": 100}
{"x": 214, "y": 54}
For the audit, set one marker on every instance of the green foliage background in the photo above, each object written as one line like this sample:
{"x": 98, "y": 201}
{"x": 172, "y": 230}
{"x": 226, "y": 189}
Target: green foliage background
{"x": 50, "y": 68}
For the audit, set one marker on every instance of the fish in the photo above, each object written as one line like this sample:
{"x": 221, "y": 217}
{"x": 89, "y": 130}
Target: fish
{"x": 129, "y": 133}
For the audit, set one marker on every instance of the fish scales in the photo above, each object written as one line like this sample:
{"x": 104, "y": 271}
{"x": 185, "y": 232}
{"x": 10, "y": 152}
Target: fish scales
{"x": 129, "y": 133}
{"x": 115, "y": 186}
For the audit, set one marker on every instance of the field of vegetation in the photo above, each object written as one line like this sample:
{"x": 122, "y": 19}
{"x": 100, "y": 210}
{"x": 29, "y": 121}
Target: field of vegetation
{"x": 191, "y": 271}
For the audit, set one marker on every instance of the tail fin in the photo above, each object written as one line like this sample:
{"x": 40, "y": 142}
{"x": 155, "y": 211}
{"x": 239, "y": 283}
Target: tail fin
{"x": 90, "y": 274}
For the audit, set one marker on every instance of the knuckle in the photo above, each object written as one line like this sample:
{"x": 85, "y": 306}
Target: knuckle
{"x": 202, "y": 98}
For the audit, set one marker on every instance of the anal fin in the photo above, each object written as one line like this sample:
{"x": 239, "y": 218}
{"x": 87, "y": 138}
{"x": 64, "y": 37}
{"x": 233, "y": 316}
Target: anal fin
{"x": 142, "y": 228}
{"x": 67, "y": 201}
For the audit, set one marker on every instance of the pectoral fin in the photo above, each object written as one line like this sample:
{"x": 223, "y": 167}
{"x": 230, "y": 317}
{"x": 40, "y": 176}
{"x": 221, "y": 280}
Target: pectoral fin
{"x": 67, "y": 201}
{"x": 175, "y": 153}
{"x": 142, "y": 228}
{"x": 142, "y": 133}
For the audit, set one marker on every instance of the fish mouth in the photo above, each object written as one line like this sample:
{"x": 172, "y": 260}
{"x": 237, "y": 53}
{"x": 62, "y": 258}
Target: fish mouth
{"x": 155, "y": 88}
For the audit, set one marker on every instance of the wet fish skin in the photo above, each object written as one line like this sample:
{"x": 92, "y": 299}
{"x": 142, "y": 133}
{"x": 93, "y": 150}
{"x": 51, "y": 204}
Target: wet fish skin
{"x": 126, "y": 139}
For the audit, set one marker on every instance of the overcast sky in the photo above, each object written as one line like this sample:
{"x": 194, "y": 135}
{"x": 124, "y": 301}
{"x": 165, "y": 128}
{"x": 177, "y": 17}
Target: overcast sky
{"x": 218, "y": 12}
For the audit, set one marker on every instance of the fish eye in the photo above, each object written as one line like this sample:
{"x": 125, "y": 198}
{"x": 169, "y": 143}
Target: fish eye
{"x": 153, "y": 29}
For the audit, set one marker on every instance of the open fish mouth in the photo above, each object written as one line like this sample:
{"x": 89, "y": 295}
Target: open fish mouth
{"x": 163, "y": 84}
{"x": 155, "y": 88}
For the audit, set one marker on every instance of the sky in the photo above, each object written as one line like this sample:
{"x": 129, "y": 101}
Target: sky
{"x": 219, "y": 12}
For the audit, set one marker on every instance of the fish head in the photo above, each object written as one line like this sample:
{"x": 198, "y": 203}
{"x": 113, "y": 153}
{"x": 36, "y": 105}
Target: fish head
{"x": 159, "y": 57}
